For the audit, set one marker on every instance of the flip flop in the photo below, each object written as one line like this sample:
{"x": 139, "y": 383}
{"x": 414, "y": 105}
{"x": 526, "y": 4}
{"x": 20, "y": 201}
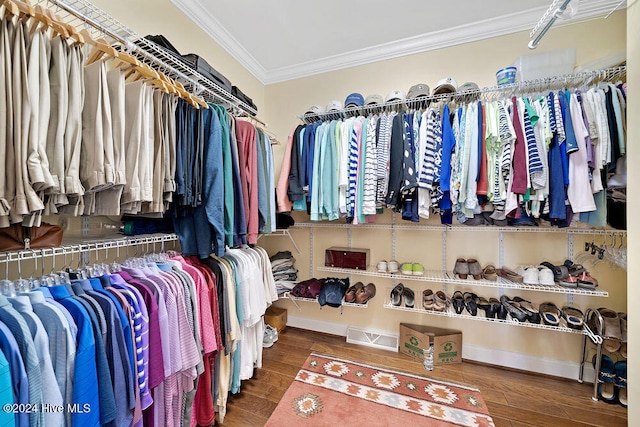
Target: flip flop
{"x": 396, "y": 295}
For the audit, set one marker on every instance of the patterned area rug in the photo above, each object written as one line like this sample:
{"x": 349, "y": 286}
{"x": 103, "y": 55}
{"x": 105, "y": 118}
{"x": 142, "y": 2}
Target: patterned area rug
{"x": 331, "y": 392}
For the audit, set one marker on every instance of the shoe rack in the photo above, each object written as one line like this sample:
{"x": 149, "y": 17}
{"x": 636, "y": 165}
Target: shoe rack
{"x": 446, "y": 278}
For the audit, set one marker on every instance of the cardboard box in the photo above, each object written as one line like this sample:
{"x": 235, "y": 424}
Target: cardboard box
{"x": 276, "y": 317}
{"x": 447, "y": 343}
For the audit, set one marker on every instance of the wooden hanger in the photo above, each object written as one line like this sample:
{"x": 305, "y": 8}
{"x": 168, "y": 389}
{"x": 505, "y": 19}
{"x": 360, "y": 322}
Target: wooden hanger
{"x": 11, "y": 7}
{"x": 100, "y": 48}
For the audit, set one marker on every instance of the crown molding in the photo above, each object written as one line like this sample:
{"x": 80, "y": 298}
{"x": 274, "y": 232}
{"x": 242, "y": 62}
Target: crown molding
{"x": 481, "y": 30}
{"x": 205, "y": 19}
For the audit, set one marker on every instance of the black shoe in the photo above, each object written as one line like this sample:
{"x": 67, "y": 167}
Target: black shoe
{"x": 470, "y": 303}
{"x": 514, "y": 309}
{"x": 458, "y": 302}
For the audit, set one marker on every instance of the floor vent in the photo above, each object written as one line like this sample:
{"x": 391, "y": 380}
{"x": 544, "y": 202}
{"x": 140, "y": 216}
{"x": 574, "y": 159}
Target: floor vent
{"x": 378, "y": 339}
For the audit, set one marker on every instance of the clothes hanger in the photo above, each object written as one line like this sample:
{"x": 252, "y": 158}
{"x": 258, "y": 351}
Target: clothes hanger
{"x": 20, "y": 285}
{"x": 11, "y": 8}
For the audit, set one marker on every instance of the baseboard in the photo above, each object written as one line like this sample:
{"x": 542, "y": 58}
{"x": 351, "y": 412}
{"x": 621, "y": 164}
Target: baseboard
{"x": 508, "y": 359}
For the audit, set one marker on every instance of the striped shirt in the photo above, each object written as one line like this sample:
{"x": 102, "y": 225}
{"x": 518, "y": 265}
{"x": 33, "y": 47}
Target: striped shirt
{"x": 370, "y": 169}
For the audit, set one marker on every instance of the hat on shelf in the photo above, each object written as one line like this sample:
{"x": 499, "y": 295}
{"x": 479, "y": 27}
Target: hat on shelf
{"x": 468, "y": 87}
{"x": 373, "y": 100}
{"x": 419, "y": 90}
{"x": 396, "y": 95}
{"x": 447, "y": 85}
{"x": 354, "y": 100}
{"x": 334, "y": 106}
{"x": 315, "y": 109}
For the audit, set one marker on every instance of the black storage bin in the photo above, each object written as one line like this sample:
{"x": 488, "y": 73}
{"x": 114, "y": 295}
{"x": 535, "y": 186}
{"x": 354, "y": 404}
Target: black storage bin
{"x": 201, "y": 66}
{"x": 242, "y": 97}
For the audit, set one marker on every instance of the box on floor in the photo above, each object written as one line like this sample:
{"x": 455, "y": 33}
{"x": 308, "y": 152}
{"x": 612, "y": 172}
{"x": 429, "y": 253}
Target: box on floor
{"x": 447, "y": 343}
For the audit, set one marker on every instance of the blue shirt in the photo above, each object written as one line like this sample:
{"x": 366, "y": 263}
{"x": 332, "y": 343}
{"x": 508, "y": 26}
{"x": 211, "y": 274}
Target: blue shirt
{"x": 6, "y": 392}
{"x": 85, "y": 386}
{"x": 20, "y": 382}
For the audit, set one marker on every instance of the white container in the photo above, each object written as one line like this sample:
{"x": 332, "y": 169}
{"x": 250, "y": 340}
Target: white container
{"x": 546, "y": 64}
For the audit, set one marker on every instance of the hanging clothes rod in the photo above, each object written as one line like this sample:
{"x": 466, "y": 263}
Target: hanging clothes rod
{"x": 70, "y": 249}
{"x": 544, "y": 84}
{"x": 556, "y": 14}
{"x": 88, "y": 14}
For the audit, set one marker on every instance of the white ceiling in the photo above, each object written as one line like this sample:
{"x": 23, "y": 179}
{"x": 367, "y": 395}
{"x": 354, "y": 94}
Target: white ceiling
{"x": 280, "y": 40}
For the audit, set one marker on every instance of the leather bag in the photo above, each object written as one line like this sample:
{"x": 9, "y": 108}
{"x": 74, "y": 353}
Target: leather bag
{"x": 17, "y": 237}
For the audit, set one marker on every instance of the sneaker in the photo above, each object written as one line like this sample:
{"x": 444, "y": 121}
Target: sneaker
{"x": 382, "y": 266}
{"x": 392, "y": 266}
{"x": 270, "y": 336}
{"x": 545, "y": 276}
{"x": 417, "y": 269}
{"x": 406, "y": 268}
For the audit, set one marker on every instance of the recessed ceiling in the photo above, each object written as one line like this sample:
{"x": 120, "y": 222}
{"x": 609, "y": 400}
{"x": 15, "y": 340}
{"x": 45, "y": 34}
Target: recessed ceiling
{"x": 286, "y": 39}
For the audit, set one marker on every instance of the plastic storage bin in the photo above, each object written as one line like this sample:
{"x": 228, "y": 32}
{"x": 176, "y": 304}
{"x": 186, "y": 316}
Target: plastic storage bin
{"x": 546, "y": 64}
{"x": 506, "y": 76}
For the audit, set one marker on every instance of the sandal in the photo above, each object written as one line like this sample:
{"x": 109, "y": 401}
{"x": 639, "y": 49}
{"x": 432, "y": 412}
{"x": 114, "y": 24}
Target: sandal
{"x": 585, "y": 281}
{"x": 489, "y": 273}
{"x": 470, "y": 303}
{"x": 440, "y": 301}
{"x": 569, "y": 282}
{"x": 606, "y": 379}
{"x": 573, "y": 269}
{"x": 573, "y": 316}
{"x": 409, "y": 297}
{"x": 427, "y": 299}
{"x": 610, "y": 329}
{"x": 458, "y": 302}
{"x": 550, "y": 314}
{"x": 493, "y": 307}
{"x": 396, "y": 295}
{"x": 621, "y": 381}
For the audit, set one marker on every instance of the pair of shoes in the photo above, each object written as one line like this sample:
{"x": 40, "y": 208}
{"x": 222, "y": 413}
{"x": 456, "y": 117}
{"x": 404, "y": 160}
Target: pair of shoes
{"x": 507, "y": 273}
{"x": 467, "y": 267}
{"x": 493, "y": 309}
{"x": 434, "y": 301}
{"x": 387, "y": 267}
{"x": 359, "y": 293}
{"x": 540, "y": 275}
{"x": 399, "y": 292}
{"x": 531, "y": 310}
{"x": 612, "y": 380}
{"x": 270, "y": 336}
{"x": 412, "y": 269}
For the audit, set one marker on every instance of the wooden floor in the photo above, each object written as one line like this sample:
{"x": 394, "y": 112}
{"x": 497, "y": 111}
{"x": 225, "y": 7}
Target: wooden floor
{"x": 514, "y": 398}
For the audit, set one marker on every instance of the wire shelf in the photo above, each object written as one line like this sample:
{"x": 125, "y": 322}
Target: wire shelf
{"x": 509, "y": 321}
{"x": 444, "y": 277}
{"x": 82, "y": 13}
{"x": 464, "y": 228}
{"x": 294, "y": 299}
{"x": 567, "y": 80}
{"x": 85, "y": 245}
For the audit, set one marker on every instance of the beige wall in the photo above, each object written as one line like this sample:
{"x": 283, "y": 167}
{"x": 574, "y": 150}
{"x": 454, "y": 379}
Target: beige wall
{"x": 633, "y": 191}
{"x": 162, "y": 17}
{"x": 475, "y": 62}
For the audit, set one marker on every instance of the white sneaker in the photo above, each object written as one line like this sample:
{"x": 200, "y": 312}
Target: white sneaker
{"x": 382, "y": 266}
{"x": 392, "y": 266}
{"x": 545, "y": 276}
{"x": 529, "y": 275}
{"x": 270, "y": 336}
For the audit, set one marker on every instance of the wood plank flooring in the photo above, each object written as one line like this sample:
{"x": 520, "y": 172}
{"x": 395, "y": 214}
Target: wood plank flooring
{"x": 515, "y": 399}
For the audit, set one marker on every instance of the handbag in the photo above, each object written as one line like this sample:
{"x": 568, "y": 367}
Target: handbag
{"x": 16, "y": 237}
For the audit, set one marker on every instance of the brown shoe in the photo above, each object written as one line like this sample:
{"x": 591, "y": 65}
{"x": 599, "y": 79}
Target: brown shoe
{"x": 461, "y": 268}
{"x": 350, "y": 295}
{"x": 365, "y": 293}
